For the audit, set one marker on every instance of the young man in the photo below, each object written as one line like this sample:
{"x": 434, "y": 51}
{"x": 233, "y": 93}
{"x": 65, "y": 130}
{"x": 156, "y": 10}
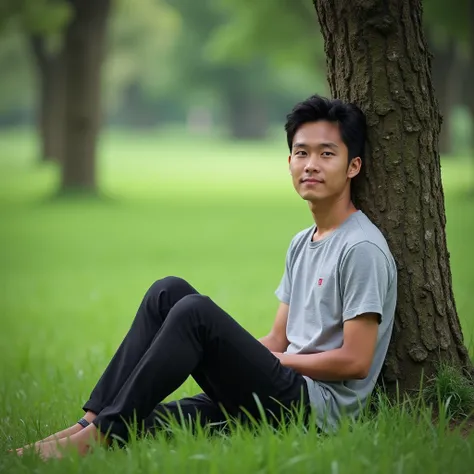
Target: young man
{"x": 331, "y": 332}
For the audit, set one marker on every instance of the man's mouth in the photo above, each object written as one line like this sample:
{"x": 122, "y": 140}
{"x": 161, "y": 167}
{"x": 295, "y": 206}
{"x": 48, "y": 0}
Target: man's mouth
{"x": 311, "y": 180}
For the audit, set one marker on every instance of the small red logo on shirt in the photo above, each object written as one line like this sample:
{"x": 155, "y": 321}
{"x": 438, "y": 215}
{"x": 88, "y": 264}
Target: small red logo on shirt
{"x": 320, "y": 282}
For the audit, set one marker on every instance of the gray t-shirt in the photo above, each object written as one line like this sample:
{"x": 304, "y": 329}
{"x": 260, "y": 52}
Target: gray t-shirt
{"x": 325, "y": 283}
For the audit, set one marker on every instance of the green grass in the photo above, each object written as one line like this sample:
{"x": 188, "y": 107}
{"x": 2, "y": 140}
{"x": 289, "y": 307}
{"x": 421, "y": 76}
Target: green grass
{"x": 219, "y": 214}
{"x": 454, "y": 390}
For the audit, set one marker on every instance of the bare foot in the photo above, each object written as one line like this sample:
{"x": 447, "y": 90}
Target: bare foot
{"x": 81, "y": 442}
{"x": 68, "y": 432}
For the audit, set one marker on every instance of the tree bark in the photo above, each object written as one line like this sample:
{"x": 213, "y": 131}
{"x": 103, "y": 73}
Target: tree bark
{"x": 84, "y": 51}
{"x": 446, "y": 73}
{"x": 377, "y": 58}
{"x": 50, "y": 99}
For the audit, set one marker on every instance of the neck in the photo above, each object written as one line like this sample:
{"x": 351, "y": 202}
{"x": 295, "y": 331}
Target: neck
{"x": 330, "y": 215}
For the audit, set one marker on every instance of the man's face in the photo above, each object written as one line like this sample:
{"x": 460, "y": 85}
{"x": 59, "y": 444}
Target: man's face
{"x": 319, "y": 162}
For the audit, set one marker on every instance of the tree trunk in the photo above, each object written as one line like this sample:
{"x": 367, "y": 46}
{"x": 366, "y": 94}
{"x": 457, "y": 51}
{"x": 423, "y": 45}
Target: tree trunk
{"x": 468, "y": 97}
{"x": 377, "y": 58}
{"x": 84, "y": 51}
{"x": 136, "y": 110}
{"x": 247, "y": 118}
{"x": 446, "y": 81}
{"x": 468, "y": 82}
{"x": 50, "y": 98}
{"x": 246, "y": 109}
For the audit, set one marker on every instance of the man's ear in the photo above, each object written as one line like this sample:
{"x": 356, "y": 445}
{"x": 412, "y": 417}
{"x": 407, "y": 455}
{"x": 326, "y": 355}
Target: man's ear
{"x": 289, "y": 163}
{"x": 354, "y": 167}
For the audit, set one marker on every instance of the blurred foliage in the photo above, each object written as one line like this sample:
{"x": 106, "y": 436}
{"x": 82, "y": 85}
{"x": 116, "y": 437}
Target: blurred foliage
{"x": 141, "y": 35}
{"x": 19, "y": 19}
{"x": 42, "y": 17}
{"x": 167, "y": 56}
{"x": 287, "y": 31}
{"x": 201, "y": 77}
{"x": 447, "y": 20}
{"x": 17, "y": 78}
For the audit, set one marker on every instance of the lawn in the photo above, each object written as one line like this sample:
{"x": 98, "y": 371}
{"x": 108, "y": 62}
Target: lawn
{"x": 218, "y": 213}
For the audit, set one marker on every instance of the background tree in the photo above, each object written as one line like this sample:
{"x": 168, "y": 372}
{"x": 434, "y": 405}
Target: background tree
{"x": 67, "y": 41}
{"x": 447, "y": 32}
{"x": 239, "y": 90}
{"x": 469, "y": 93}
{"x": 50, "y": 96}
{"x": 17, "y": 84}
{"x": 84, "y": 45}
{"x": 139, "y": 67}
{"x": 41, "y": 22}
{"x": 377, "y": 57}
{"x": 270, "y": 36}
{"x": 447, "y": 82}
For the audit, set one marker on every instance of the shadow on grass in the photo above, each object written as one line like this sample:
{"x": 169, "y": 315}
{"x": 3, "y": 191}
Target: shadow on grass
{"x": 79, "y": 197}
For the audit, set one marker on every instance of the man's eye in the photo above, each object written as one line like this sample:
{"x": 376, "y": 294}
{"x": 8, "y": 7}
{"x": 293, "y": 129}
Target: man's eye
{"x": 328, "y": 153}
{"x": 300, "y": 153}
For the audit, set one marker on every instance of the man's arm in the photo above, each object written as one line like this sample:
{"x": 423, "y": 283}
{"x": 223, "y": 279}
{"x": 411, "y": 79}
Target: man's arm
{"x": 365, "y": 275}
{"x": 276, "y": 340}
{"x": 351, "y": 361}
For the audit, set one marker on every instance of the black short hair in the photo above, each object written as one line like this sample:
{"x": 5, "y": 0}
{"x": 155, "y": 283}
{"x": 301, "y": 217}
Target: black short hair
{"x": 350, "y": 118}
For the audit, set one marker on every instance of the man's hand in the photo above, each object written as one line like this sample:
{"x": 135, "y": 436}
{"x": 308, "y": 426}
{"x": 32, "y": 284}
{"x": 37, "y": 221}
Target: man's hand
{"x": 278, "y": 355}
{"x": 276, "y": 340}
{"x": 351, "y": 361}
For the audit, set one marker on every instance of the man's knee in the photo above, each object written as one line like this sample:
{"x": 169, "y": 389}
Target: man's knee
{"x": 193, "y": 301}
{"x": 192, "y": 305}
{"x": 171, "y": 284}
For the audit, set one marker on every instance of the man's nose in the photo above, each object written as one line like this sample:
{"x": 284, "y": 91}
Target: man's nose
{"x": 312, "y": 164}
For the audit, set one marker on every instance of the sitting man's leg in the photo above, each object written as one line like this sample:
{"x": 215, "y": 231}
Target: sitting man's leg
{"x": 232, "y": 367}
{"x": 152, "y": 313}
{"x": 199, "y": 410}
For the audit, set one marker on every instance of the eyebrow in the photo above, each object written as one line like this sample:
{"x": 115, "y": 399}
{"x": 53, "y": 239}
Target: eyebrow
{"x": 321, "y": 145}
{"x": 329, "y": 145}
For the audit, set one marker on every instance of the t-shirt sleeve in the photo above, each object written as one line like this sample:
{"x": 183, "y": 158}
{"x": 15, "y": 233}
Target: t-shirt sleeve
{"x": 364, "y": 280}
{"x": 283, "y": 292}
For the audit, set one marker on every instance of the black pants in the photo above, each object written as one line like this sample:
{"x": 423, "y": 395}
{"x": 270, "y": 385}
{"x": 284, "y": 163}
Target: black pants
{"x": 176, "y": 333}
